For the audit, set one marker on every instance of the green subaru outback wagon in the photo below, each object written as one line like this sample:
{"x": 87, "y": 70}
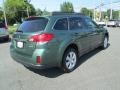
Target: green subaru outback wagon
{"x": 56, "y": 40}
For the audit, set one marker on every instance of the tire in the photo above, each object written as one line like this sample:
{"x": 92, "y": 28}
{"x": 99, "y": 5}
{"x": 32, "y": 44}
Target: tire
{"x": 70, "y": 59}
{"x": 105, "y": 43}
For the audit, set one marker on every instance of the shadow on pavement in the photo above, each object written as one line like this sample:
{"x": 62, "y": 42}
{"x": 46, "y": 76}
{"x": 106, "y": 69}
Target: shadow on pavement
{"x": 85, "y": 57}
{"x": 49, "y": 72}
{"x": 55, "y": 72}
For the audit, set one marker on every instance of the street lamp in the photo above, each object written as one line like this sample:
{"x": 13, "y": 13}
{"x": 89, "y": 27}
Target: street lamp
{"x": 4, "y": 12}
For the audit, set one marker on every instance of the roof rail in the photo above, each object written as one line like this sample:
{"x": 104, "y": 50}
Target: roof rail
{"x": 65, "y": 13}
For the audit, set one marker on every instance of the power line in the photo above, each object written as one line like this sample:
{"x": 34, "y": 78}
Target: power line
{"x": 104, "y": 4}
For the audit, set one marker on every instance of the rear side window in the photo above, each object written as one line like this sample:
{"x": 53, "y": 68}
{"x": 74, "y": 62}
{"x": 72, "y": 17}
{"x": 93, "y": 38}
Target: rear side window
{"x": 33, "y": 25}
{"x": 61, "y": 24}
{"x": 75, "y": 23}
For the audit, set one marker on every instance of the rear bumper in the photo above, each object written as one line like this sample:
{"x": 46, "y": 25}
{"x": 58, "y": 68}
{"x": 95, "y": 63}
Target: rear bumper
{"x": 25, "y": 61}
{"x": 47, "y": 59}
{"x": 30, "y": 65}
{"x": 4, "y": 36}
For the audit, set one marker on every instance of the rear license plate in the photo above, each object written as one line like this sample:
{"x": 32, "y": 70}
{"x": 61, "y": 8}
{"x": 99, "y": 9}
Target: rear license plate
{"x": 20, "y": 44}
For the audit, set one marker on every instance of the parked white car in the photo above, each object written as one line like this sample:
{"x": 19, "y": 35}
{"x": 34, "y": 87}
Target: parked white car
{"x": 112, "y": 23}
{"x": 101, "y": 23}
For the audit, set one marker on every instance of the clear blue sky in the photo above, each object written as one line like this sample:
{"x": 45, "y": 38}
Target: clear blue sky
{"x": 54, "y": 5}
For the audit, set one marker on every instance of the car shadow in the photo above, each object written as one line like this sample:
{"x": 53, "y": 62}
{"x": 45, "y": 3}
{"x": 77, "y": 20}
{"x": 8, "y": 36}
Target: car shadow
{"x": 49, "y": 72}
{"x": 55, "y": 72}
{"x": 88, "y": 55}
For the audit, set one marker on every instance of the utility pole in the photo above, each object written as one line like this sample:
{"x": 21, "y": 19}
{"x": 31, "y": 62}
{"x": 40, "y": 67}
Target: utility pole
{"x": 111, "y": 10}
{"x": 100, "y": 10}
{"x": 4, "y": 12}
{"x": 94, "y": 14}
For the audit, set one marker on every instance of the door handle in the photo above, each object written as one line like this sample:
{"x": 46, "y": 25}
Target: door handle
{"x": 76, "y": 33}
{"x": 94, "y": 33}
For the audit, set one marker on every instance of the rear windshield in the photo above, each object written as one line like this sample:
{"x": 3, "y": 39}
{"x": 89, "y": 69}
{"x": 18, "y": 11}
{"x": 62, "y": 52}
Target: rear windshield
{"x": 33, "y": 25}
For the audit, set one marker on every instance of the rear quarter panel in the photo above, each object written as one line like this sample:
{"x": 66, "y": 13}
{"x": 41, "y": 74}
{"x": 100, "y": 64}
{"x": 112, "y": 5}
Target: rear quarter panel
{"x": 63, "y": 39}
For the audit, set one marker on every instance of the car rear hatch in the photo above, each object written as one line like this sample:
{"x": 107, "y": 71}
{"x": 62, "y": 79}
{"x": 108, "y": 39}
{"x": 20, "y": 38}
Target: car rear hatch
{"x": 27, "y": 29}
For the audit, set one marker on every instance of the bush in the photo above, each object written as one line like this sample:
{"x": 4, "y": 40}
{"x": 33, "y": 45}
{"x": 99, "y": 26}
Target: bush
{"x": 12, "y": 29}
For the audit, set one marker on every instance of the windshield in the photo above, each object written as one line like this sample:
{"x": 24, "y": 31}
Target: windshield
{"x": 33, "y": 25}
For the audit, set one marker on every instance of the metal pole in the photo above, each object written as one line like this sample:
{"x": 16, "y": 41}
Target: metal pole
{"x": 27, "y": 11}
{"x": 4, "y": 12}
{"x": 94, "y": 14}
{"x": 100, "y": 10}
{"x": 111, "y": 9}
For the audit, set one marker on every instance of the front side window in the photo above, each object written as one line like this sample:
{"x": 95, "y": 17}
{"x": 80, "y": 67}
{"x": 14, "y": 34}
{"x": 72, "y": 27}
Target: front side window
{"x": 75, "y": 23}
{"x": 89, "y": 23}
{"x": 61, "y": 24}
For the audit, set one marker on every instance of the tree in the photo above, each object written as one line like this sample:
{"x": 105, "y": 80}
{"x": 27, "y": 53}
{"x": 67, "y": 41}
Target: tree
{"x": 108, "y": 13}
{"x": 115, "y": 14}
{"x": 91, "y": 13}
{"x": 39, "y": 12}
{"x": 1, "y": 13}
{"x": 16, "y": 9}
{"x": 87, "y": 12}
{"x": 67, "y": 7}
{"x": 45, "y": 12}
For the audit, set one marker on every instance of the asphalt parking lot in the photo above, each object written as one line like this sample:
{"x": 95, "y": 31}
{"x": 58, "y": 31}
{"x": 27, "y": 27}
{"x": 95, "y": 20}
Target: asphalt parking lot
{"x": 97, "y": 70}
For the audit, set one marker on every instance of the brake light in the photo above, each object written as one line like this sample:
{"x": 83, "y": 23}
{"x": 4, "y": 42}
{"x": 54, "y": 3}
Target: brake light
{"x": 41, "y": 38}
{"x": 38, "y": 60}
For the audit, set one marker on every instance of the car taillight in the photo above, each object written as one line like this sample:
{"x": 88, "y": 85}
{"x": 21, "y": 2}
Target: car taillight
{"x": 38, "y": 60}
{"x": 41, "y": 38}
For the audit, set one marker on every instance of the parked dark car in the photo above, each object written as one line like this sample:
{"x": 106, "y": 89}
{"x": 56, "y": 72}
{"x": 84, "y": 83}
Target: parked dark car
{"x": 56, "y": 40}
{"x": 3, "y": 32}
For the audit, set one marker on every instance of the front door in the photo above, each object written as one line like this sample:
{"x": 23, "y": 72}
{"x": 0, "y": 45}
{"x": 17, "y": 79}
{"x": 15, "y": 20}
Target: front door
{"x": 79, "y": 34}
{"x": 95, "y": 34}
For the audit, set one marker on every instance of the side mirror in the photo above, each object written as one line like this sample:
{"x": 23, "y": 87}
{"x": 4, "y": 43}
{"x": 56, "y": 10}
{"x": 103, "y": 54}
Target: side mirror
{"x": 101, "y": 26}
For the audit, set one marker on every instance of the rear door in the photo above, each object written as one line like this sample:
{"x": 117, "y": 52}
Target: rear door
{"x": 28, "y": 28}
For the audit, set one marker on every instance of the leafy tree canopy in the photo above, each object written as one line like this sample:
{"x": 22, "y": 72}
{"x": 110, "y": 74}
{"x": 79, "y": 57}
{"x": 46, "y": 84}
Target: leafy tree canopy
{"x": 67, "y": 7}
